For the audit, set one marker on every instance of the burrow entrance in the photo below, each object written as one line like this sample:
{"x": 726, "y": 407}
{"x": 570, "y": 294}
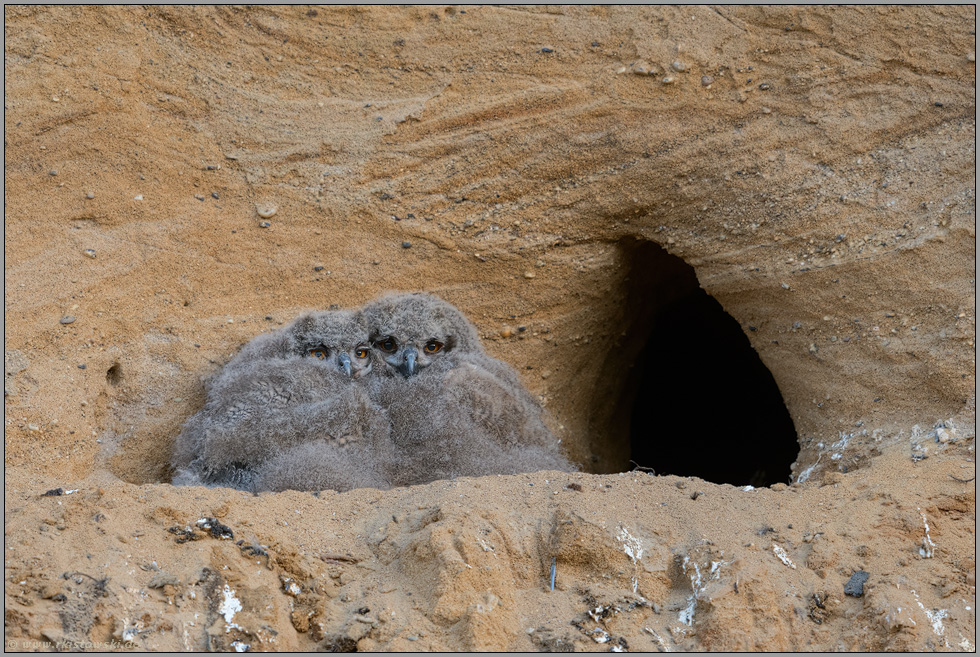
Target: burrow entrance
{"x": 697, "y": 400}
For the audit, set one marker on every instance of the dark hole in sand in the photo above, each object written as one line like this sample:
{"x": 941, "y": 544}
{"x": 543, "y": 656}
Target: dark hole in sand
{"x": 114, "y": 374}
{"x": 697, "y": 400}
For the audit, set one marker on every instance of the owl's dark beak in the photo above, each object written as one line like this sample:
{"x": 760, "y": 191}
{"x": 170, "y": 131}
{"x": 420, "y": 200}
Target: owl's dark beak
{"x": 407, "y": 368}
{"x": 344, "y": 361}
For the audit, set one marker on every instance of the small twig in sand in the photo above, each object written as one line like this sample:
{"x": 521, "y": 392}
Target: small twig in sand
{"x": 338, "y": 557}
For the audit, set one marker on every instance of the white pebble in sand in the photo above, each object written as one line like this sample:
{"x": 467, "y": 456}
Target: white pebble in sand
{"x": 266, "y": 210}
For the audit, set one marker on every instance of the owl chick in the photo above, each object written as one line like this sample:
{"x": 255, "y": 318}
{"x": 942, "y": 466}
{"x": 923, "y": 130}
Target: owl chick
{"x": 454, "y": 410}
{"x": 282, "y": 390}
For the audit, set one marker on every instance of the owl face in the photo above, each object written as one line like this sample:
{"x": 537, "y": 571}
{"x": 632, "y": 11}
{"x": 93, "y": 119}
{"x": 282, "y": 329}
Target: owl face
{"x": 409, "y": 332}
{"x": 407, "y": 354}
{"x": 355, "y": 363}
{"x": 337, "y": 338}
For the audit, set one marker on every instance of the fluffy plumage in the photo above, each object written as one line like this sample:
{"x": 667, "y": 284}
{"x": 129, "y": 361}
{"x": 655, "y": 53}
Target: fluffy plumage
{"x": 282, "y": 390}
{"x": 323, "y": 465}
{"x": 454, "y": 411}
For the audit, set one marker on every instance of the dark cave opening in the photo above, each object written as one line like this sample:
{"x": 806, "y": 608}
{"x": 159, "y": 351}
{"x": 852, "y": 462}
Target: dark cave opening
{"x": 698, "y": 401}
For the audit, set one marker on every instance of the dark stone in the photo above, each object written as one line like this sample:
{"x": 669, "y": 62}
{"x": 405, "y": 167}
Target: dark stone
{"x": 855, "y": 585}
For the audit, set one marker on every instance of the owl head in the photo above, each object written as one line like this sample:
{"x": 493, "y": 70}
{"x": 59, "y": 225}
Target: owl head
{"x": 336, "y": 337}
{"x": 411, "y": 331}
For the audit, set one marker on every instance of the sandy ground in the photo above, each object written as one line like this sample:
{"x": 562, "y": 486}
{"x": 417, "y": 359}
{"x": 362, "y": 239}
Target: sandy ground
{"x": 816, "y": 168}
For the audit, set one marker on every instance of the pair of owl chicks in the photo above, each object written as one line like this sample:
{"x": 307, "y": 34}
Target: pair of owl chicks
{"x": 398, "y": 393}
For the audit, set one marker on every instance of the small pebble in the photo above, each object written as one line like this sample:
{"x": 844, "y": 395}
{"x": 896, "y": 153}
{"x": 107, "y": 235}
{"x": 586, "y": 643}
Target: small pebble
{"x": 90, "y": 253}
{"x": 706, "y": 80}
{"x": 214, "y": 195}
{"x": 668, "y": 80}
{"x": 53, "y": 172}
{"x": 765, "y": 86}
{"x": 680, "y": 67}
{"x": 138, "y": 197}
{"x": 506, "y": 332}
{"x": 547, "y": 50}
{"x": 855, "y": 585}
{"x": 529, "y": 274}
{"x": 90, "y": 196}
{"x": 68, "y": 319}
{"x": 971, "y": 57}
{"x": 264, "y": 224}
{"x": 406, "y": 245}
{"x": 318, "y": 268}
{"x": 784, "y": 286}
{"x": 766, "y": 110}
{"x": 266, "y": 210}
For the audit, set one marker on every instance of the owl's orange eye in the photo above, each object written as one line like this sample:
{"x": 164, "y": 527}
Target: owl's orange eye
{"x": 362, "y": 352}
{"x": 319, "y": 352}
{"x": 433, "y": 347}
{"x": 386, "y": 344}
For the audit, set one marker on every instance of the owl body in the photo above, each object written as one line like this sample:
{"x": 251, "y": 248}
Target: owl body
{"x": 295, "y": 386}
{"x": 323, "y": 465}
{"x": 453, "y": 410}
